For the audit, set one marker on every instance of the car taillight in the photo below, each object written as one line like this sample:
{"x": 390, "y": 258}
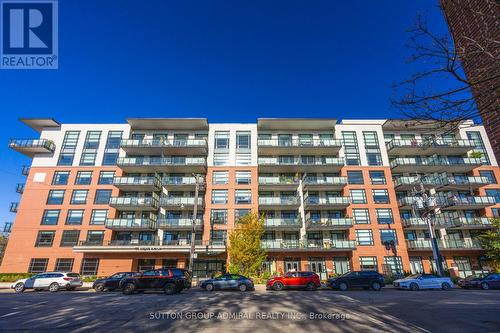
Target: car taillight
{"x": 67, "y": 279}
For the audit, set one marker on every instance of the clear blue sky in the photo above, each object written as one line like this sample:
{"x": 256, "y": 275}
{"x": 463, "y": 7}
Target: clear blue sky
{"x": 225, "y": 60}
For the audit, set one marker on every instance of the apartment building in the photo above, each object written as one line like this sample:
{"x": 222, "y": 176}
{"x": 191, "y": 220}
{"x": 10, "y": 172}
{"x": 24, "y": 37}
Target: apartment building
{"x": 335, "y": 196}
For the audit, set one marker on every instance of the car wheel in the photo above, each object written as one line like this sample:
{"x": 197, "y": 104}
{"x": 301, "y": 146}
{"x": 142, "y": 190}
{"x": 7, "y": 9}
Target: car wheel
{"x": 169, "y": 289}
{"x": 310, "y": 286}
{"x": 278, "y": 286}
{"x": 209, "y": 287}
{"x": 445, "y": 286}
{"x": 19, "y": 288}
{"x": 376, "y": 286}
{"x": 128, "y": 289}
{"x": 414, "y": 286}
{"x": 99, "y": 287}
{"x": 243, "y": 287}
{"x": 485, "y": 286}
{"x": 54, "y": 287}
{"x": 343, "y": 286}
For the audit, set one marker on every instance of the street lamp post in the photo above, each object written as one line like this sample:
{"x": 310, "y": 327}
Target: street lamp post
{"x": 192, "y": 252}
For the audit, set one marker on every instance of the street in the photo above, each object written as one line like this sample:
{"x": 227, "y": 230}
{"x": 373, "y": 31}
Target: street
{"x": 263, "y": 311}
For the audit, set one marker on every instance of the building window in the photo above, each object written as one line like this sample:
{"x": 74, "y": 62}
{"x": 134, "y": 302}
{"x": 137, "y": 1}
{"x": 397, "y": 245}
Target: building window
{"x": 358, "y": 196}
{"x": 112, "y": 149}
{"x": 221, "y": 159}
{"x": 60, "y": 178}
{"x": 68, "y": 148}
{"x": 377, "y": 178}
{"x": 243, "y": 177}
{"x": 221, "y": 140}
{"x": 218, "y": 237}
{"x": 64, "y": 265}
{"x": 50, "y": 217}
{"x": 45, "y": 238}
{"x": 102, "y": 197}
{"x": 243, "y": 196}
{"x": 56, "y": 197}
{"x": 83, "y": 178}
{"x": 384, "y": 216}
{"x": 355, "y": 177}
{"x": 220, "y": 177}
{"x": 89, "y": 266}
{"x": 361, "y": 216}
{"x": 218, "y": 216}
{"x": 79, "y": 197}
{"x": 478, "y": 142}
{"x": 388, "y": 237}
{"x": 219, "y": 196}
{"x": 98, "y": 216}
{"x": 70, "y": 238}
{"x": 146, "y": 265}
{"x": 95, "y": 237}
{"x": 90, "y": 147}
{"x": 106, "y": 177}
{"x": 75, "y": 216}
{"x": 243, "y": 140}
{"x": 380, "y": 196}
{"x": 488, "y": 174}
{"x": 372, "y": 148}
{"x": 239, "y": 213}
{"x": 495, "y": 212}
{"x": 393, "y": 265}
{"x": 38, "y": 265}
{"x": 493, "y": 193}
{"x": 351, "y": 150}
{"x": 364, "y": 237}
{"x": 368, "y": 263}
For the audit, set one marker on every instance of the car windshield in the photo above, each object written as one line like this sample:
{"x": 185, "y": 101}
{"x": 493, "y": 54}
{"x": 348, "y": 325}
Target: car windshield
{"x": 73, "y": 275}
{"x": 413, "y": 276}
{"x": 475, "y": 276}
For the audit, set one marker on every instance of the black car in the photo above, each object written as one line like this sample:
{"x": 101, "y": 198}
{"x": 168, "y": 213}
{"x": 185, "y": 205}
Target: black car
{"x": 112, "y": 282}
{"x": 170, "y": 280}
{"x": 483, "y": 281}
{"x": 361, "y": 279}
{"x": 228, "y": 281}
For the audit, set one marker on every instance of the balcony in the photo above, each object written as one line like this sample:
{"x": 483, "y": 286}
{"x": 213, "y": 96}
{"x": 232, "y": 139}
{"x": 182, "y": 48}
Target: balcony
{"x": 326, "y": 202}
{"x": 179, "y": 224}
{"x": 137, "y": 184}
{"x": 278, "y": 223}
{"x": 20, "y": 188}
{"x": 410, "y": 183}
{"x": 25, "y": 171}
{"x": 446, "y": 244}
{"x": 328, "y": 223}
{"x": 299, "y": 147}
{"x": 180, "y": 203}
{"x": 472, "y": 202}
{"x": 280, "y": 183}
{"x": 296, "y": 164}
{"x": 429, "y": 147}
{"x": 158, "y": 246}
{"x": 164, "y": 147}
{"x": 429, "y": 165}
{"x": 308, "y": 245}
{"x": 463, "y": 183}
{"x": 181, "y": 183}
{"x": 162, "y": 164}
{"x": 278, "y": 203}
{"x": 13, "y": 207}
{"x": 134, "y": 203}
{"x": 324, "y": 183}
{"x": 31, "y": 147}
{"x": 130, "y": 224}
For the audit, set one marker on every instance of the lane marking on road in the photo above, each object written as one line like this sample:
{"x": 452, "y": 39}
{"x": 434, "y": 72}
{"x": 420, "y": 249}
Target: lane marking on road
{"x": 10, "y": 314}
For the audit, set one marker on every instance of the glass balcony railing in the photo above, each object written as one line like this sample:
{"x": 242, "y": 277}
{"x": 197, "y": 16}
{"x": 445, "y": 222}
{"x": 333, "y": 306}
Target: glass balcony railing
{"x": 308, "y": 143}
{"x": 409, "y": 161}
{"x": 169, "y": 180}
{"x": 160, "y": 161}
{"x": 480, "y": 201}
{"x": 330, "y": 181}
{"x": 133, "y": 223}
{"x": 319, "y": 161}
{"x": 144, "y": 181}
{"x": 444, "y": 244}
{"x": 133, "y": 202}
{"x": 340, "y": 222}
{"x": 327, "y": 201}
{"x": 283, "y": 222}
{"x": 38, "y": 145}
{"x": 20, "y": 188}
{"x": 465, "y": 181}
{"x": 309, "y": 244}
{"x": 278, "y": 201}
{"x": 13, "y": 207}
{"x": 473, "y": 222}
{"x": 161, "y": 143}
{"x": 418, "y": 143}
{"x": 172, "y": 223}
{"x": 25, "y": 170}
{"x": 278, "y": 181}
{"x": 182, "y": 201}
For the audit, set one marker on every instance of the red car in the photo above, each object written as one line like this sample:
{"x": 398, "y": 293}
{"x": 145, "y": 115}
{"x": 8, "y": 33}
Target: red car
{"x": 294, "y": 280}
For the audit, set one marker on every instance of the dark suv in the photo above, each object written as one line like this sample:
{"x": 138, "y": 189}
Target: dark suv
{"x": 170, "y": 280}
{"x": 361, "y": 279}
{"x": 112, "y": 282}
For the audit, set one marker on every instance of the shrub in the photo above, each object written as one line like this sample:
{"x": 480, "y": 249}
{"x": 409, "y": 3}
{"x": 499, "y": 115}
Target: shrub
{"x": 12, "y": 277}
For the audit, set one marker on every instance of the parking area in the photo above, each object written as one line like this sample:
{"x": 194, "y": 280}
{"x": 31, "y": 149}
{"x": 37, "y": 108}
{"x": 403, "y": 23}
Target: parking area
{"x": 263, "y": 311}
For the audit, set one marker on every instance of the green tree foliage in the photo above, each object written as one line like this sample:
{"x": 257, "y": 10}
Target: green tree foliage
{"x": 3, "y": 244}
{"x": 245, "y": 252}
{"x": 491, "y": 243}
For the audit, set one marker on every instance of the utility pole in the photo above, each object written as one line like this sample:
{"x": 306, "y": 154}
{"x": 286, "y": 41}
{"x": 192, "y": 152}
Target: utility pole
{"x": 192, "y": 252}
{"x": 428, "y": 207}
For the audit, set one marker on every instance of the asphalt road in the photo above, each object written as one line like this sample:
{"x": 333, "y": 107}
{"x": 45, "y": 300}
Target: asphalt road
{"x": 261, "y": 311}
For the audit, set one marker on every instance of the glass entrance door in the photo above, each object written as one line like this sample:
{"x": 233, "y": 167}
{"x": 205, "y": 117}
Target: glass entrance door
{"x": 318, "y": 266}
{"x": 292, "y": 265}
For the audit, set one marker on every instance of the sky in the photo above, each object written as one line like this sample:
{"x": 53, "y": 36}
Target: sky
{"x": 228, "y": 61}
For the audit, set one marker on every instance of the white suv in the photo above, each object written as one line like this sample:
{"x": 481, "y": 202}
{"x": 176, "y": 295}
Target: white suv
{"x": 52, "y": 281}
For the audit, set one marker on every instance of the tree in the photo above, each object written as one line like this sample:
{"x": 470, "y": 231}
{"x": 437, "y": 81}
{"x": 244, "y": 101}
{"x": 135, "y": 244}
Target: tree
{"x": 490, "y": 241}
{"x": 456, "y": 76}
{"x": 244, "y": 250}
{"x": 3, "y": 245}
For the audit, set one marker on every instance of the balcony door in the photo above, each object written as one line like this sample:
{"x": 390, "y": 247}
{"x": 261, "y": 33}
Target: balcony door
{"x": 463, "y": 265}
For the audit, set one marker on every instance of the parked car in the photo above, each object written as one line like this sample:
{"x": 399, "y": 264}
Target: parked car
{"x": 53, "y": 281}
{"x": 170, "y": 280}
{"x": 424, "y": 281}
{"x": 294, "y": 280}
{"x": 483, "y": 281}
{"x": 228, "y": 281}
{"x": 112, "y": 282}
{"x": 358, "y": 279}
